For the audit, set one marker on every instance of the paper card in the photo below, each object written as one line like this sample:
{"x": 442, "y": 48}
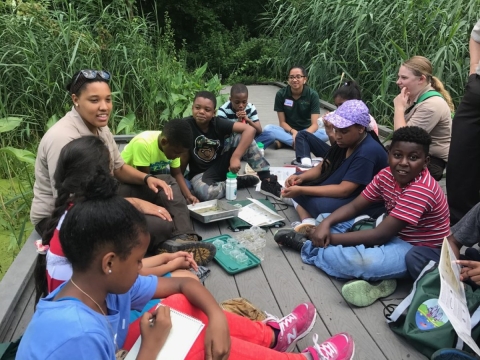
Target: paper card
{"x": 288, "y": 102}
{"x": 452, "y": 296}
{"x": 258, "y": 214}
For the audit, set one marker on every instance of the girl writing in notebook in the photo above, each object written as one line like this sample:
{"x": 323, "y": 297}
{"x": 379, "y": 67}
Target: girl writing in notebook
{"x": 105, "y": 238}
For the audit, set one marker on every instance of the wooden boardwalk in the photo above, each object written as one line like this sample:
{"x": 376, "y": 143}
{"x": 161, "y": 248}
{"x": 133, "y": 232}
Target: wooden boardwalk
{"x": 282, "y": 280}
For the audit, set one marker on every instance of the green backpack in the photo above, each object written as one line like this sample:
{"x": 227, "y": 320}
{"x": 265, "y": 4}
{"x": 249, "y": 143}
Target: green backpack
{"x": 421, "y": 321}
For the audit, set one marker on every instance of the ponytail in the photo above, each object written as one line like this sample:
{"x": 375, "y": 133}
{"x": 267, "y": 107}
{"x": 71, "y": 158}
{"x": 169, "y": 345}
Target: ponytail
{"x": 438, "y": 85}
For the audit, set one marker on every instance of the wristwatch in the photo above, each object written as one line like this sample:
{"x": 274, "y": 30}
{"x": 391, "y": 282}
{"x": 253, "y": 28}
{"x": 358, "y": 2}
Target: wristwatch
{"x": 146, "y": 178}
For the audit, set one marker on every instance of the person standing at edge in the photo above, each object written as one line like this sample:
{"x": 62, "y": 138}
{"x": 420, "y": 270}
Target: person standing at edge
{"x": 463, "y": 171}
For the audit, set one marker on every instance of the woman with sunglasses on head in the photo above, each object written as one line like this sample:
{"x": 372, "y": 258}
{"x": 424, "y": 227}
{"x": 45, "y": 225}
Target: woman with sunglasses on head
{"x": 424, "y": 102}
{"x": 92, "y": 104}
{"x": 298, "y": 109}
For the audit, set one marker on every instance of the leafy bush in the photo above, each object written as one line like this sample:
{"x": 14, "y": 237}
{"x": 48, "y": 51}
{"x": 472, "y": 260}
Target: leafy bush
{"x": 236, "y": 56}
{"x": 368, "y": 40}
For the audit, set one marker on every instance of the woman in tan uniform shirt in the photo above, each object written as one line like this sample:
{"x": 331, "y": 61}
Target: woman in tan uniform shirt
{"x": 433, "y": 114}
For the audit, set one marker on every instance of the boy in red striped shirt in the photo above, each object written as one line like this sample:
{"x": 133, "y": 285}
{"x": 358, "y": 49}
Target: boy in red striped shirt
{"x": 417, "y": 215}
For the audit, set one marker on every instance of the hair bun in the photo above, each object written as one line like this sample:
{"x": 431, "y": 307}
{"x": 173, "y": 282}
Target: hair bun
{"x": 101, "y": 186}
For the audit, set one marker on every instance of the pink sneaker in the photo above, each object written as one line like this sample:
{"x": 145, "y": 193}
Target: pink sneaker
{"x": 338, "y": 347}
{"x": 294, "y": 326}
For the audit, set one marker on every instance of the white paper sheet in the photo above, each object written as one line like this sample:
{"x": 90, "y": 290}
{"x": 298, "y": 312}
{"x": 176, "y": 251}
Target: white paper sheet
{"x": 258, "y": 214}
{"x": 452, "y": 296}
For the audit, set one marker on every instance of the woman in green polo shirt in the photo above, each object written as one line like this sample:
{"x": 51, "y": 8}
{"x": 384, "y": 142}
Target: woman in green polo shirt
{"x": 298, "y": 109}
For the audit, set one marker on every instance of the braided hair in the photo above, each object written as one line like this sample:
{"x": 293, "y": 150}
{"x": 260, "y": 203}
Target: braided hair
{"x": 83, "y": 171}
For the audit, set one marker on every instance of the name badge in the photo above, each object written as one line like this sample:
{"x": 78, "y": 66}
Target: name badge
{"x": 288, "y": 102}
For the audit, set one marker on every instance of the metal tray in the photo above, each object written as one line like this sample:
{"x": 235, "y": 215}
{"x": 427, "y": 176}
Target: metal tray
{"x": 213, "y": 210}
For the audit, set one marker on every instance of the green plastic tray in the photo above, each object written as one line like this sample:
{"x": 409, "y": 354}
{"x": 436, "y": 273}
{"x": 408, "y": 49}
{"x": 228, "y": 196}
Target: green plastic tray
{"x": 227, "y": 263}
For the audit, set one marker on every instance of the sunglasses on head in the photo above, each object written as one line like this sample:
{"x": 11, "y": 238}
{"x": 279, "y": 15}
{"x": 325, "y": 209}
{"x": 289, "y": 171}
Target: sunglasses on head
{"x": 92, "y": 74}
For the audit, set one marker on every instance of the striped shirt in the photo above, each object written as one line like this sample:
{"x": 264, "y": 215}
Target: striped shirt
{"x": 226, "y": 112}
{"x": 421, "y": 204}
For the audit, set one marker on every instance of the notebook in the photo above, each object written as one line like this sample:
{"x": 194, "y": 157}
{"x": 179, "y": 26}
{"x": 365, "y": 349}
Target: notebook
{"x": 184, "y": 332}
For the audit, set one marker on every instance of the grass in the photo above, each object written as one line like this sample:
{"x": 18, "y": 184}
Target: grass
{"x": 367, "y": 40}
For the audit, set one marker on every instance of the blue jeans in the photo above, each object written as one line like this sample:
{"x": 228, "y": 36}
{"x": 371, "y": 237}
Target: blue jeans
{"x": 358, "y": 262}
{"x": 274, "y": 132}
{"x": 306, "y": 143}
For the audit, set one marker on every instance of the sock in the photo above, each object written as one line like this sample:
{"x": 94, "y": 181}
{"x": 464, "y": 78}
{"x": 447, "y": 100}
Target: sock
{"x": 263, "y": 174}
{"x": 310, "y": 221}
{"x": 276, "y": 332}
{"x": 308, "y": 356}
{"x": 306, "y": 161}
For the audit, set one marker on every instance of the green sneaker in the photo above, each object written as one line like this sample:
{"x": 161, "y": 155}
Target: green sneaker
{"x": 361, "y": 293}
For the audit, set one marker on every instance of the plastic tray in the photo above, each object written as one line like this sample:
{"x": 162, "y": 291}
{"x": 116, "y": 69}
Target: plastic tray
{"x": 230, "y": 265}
{"x": 202, "y": 211}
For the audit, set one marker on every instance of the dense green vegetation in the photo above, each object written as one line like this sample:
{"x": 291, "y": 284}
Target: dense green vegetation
{"x": 368, "y": 39}
{"x": 161, "y": 53}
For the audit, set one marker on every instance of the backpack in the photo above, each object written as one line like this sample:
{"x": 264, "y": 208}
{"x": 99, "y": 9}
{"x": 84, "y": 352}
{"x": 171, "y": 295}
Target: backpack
{"x": 365, "y": 222}
{"x": 422, "y": 322}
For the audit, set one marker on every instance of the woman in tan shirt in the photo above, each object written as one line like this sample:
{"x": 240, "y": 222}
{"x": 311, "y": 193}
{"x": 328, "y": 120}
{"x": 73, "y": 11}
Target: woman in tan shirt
{"x": 434, "y": 114}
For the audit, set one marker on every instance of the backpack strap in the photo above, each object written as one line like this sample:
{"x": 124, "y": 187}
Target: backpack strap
{"x": 400, "y": 309}
{"x": 428, "y": 95}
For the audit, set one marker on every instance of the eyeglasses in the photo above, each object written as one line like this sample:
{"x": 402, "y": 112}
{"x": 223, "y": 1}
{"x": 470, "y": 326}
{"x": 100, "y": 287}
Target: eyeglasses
{"x": 297, "y": 77}
{"x": 92, "y": 74}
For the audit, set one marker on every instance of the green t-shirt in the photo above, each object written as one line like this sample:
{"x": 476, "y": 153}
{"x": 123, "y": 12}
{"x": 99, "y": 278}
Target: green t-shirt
{"x": 143, "y": 150}
{"x": 297, "y": 112}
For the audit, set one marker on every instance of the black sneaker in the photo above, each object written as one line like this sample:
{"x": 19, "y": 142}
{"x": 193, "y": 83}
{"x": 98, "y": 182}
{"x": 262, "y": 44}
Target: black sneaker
{"x": 202, "y": 252}
{"x": 245, "y": 181}
{"x": 271, "y": 187}
{"x": 290, "y": 238}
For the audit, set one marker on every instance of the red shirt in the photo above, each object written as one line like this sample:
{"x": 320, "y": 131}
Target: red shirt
{"x": 421, "y": 204}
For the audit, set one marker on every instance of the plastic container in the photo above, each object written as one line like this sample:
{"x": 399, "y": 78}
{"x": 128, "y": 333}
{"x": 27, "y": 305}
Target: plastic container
{"x": 254, "y": 240}
{"x": 235, "y": 265}
{"x": 231, "y": 186}
{"x": 261, "y": 147}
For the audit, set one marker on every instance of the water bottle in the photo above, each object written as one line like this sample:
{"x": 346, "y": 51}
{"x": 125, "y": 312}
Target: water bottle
{"x": 231, "y": 186}
{"x": 261, "y": 147}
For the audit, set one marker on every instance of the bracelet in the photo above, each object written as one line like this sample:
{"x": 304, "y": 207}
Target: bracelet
{"x": 146, "y": 178}
{"x": 290, "y": 132}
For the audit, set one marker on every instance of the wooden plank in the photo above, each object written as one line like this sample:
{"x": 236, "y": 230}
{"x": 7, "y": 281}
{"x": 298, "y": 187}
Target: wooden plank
{"x": 15, "y": 281}
{"x": 21, "y": 313}
{"x": 26, "y": 317}
{"x": 374, "y": 321}
{"x": 252, "y": 284}
{"x": 285, "y": 286}
{"x": 218, "y": 282}
{"x": 335, "y": 312}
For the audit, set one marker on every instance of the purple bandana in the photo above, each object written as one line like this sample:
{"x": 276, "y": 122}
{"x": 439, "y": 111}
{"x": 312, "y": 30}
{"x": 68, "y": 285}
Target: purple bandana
{"x": 351, "y": 112}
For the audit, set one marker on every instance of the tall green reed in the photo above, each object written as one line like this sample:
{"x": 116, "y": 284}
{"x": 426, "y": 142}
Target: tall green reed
{"x": 368, "y": 40}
